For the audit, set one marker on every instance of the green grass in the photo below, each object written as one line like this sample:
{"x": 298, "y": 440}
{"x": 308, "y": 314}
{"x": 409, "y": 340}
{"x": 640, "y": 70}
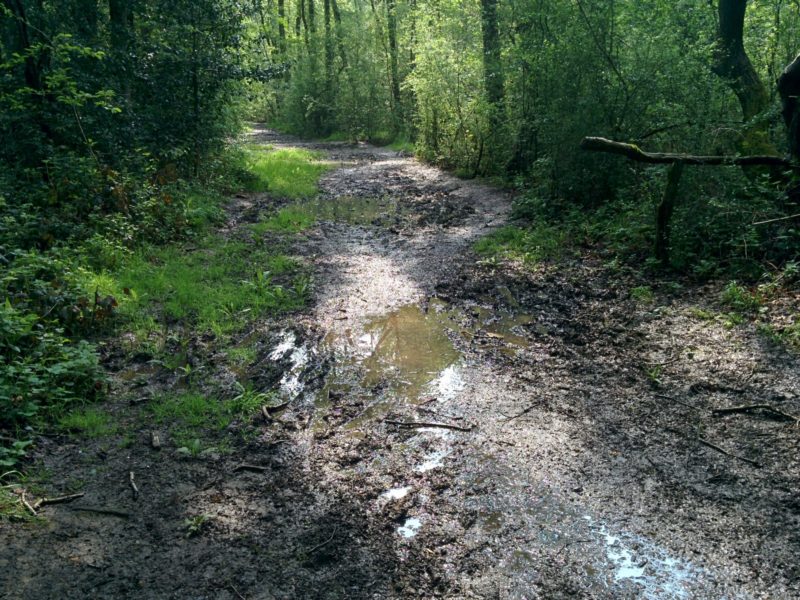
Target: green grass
{"x": 290, "y": 172}
{"x": 402, "y": 144}
{"x": 527, "y": 245}
{"x": 291, "y": 219}
{"x": 90, "y": 423}
{"x": 215, "y": 287}
{"x": 193, "y": 416}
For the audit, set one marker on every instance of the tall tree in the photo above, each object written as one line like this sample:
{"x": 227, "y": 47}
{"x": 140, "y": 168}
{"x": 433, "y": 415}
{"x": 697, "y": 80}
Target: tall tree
{"x": 394, "y": 74}
{"x": 732, "y": 62}
{"x": 492, "y": 65}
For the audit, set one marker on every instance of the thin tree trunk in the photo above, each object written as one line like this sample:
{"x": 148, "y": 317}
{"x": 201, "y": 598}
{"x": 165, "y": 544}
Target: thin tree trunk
{"x": 493, "y": 73}
{"x": 789, "y": 90}
{"x": 391, "y": 28}
{"x": 282, "y": 26}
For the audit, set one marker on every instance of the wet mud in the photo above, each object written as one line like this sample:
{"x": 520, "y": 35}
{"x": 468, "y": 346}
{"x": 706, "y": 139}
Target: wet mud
{"x": 447, "y": 429}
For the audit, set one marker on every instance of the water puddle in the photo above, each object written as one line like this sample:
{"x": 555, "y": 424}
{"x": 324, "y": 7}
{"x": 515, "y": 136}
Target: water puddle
{"x": 396, "y": 493}
{"x": 637, "y": 559}
{"x": 543, "y": 522}
{"x": 410, "y": 528}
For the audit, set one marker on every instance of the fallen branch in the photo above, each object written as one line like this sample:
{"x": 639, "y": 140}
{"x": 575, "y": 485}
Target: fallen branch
{"x": 423, "y": 424}
{"x": 633, "y": 152}
{"x": 749, "y": 407}
{"x": 103, "y": 511}
{"x": 726, "y": 453}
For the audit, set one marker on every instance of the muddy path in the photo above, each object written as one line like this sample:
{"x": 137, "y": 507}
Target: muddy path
{"x": 454, "y": 429}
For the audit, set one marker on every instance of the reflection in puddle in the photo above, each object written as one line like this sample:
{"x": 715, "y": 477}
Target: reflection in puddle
{"x": 409, "y": 349}
{"x": 300, "y": 358}
{"x": 410, "y": 528}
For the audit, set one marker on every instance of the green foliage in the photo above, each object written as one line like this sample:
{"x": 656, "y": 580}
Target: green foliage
{"x": 41, "y": 372}
{"x": 289, "y": 172}
{"x": 740, "y": 298}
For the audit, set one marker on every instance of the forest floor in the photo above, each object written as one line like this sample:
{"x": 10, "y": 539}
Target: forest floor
{"x": 581, "y": 455}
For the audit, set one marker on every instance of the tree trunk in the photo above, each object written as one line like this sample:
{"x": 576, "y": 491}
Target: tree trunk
{"x": 789, "y": 90}
{"x": 665, "y": 210}
{"x": 328, "y": 50}
{"x": 121, "y": 30}
{"x": 493, "y": 72}
{"x": 391, "y": 29}
{"x": 732, "y": 62}
{"x": 85, "y": 17}
{"x": 282, "y": 27}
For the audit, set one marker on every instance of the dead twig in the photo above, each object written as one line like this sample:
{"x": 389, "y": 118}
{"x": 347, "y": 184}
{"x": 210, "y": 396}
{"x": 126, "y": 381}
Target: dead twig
{"x": 422, "y": 424}
{"x": 325, "y": 543}
{"x": 687, "y": 405}
{"x": 235, "y": 591}
{"x": 134, "y": 487}
{"x": 27, "y": 504}
{"x": 726, "y": 453}
{"x": 747, "y": 408}
{"x": 522, "y": 413}
{"x": 60, "y": 500}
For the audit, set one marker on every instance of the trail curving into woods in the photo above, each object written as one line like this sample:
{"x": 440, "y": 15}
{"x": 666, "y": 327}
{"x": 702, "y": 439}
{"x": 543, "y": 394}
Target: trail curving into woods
{"x": 448, "y": 428}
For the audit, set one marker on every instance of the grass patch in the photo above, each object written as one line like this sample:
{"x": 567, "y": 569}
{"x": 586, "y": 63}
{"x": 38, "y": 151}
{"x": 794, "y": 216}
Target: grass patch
{"x": 402, "y": 144}
{"x": 193, "y": 416}
{"x": 643, "y": 294}
{"x": 90, "y": 423}
{"x": 216, "y": 287}
{"x": 530, "y": 246}
{"x": 291, "y": 219}
{"x": 740, "y": 298}
{"x": 289, "y": 172}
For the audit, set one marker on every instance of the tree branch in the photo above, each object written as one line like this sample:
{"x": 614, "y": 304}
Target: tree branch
{"x": 633, "y": 152}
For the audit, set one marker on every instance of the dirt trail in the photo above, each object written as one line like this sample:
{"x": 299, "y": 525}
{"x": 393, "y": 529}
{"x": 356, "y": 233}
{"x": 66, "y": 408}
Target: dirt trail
{"x": 571, "y": 465}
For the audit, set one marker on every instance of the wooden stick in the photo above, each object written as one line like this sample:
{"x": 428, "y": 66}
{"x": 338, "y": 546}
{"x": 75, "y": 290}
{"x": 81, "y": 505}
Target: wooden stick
{"x": 726, "y": 453}
{"x": 421, "y": 424}
{"x": 747, "y": 408}
{"x": 633, "y": 152}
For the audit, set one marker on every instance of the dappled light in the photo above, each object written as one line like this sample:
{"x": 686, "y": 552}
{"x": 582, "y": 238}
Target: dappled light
{"x": 335, "y": 300}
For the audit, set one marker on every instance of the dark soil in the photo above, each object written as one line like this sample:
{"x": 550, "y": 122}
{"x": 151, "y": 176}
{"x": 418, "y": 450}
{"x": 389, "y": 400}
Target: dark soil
{"x": 586, "y": 460}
